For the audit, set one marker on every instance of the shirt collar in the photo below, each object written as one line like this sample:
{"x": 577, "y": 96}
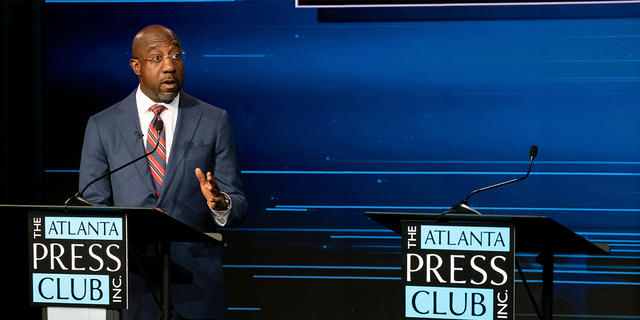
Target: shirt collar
{"x": 144, "y": 103}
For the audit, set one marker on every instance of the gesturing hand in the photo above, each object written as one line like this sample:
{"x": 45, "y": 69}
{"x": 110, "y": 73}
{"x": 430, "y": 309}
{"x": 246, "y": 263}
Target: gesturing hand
{"x": 211, "y": 191}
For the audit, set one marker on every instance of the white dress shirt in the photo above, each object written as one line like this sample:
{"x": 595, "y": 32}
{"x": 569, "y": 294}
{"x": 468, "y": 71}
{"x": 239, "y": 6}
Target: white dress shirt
{"x": 170, "y": 118}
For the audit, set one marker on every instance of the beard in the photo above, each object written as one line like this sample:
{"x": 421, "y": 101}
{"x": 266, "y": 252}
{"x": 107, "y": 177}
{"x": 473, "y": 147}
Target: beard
{"x": 167, "y": 97}
{"x": 168, "y": 94}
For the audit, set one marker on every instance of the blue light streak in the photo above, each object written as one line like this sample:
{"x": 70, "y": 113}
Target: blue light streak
{"x": 305, "y": 230}
{"x": 495, "y": 173}
{"x": 311, "y": 267}
{"x": 324, "y": 277}
{"x": 445, "y": 208}
{"x": 366, "y": 237}
{"x": 234, "y": 55}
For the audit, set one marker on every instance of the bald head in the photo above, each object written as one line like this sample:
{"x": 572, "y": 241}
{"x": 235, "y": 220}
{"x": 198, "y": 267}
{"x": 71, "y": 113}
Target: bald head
{"x": 150, "y": 34}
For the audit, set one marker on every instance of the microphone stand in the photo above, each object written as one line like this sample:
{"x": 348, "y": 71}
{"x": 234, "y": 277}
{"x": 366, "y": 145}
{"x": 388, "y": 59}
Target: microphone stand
{"x": 464, "y": 208}
{"x": 77, "y": 199}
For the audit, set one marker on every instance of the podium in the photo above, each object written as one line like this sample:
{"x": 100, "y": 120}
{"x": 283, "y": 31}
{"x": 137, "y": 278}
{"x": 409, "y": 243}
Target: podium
{"x": 534, "y": 234}
{"x": 139, "y": 224}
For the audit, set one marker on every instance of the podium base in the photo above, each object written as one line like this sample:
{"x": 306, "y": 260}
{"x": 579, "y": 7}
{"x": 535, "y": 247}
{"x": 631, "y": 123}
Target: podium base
{"x": 66, "y": 313}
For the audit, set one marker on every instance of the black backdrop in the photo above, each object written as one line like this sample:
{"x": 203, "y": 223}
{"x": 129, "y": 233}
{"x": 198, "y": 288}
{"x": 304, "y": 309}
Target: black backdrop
{"x": 21, "y": 160}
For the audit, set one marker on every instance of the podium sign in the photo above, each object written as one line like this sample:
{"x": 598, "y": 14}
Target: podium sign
{"x": 78, "y": 260}
{"x": 458, "y": 270}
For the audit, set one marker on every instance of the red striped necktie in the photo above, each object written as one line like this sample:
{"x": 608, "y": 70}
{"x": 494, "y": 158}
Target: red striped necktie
{"x": 158, "y": 159}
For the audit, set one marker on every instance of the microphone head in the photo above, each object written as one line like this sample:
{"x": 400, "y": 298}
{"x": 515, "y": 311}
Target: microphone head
{"x": 533, "y": 152}
{"x": 160, "y": 125}
{"x": 463, "y": 208}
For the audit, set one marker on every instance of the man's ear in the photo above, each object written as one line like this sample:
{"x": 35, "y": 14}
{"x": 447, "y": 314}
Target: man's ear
{"x": 135, "y": 65}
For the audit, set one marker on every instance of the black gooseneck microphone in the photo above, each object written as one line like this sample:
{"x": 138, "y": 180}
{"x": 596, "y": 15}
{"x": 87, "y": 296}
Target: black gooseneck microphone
{"x": 77, "y": 200}
{"x": 463, "y": 206}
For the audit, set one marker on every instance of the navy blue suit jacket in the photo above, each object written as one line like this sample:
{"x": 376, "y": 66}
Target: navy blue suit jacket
{"x": 203, "y": 139}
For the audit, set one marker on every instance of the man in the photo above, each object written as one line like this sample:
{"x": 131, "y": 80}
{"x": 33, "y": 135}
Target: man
{"x": 196, "y": 138}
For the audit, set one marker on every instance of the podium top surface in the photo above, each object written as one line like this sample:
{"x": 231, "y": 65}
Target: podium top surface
{"x": 536, "y": 234}
{"x": 142, "y": 223}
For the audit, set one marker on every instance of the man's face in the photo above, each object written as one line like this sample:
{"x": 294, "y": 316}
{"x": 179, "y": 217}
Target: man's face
{"x": 160, "y": 81}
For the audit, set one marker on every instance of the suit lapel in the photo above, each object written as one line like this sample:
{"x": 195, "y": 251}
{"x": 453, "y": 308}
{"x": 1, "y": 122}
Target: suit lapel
{"x": 127, "y": 122}
{"x": 189, "y": 115}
